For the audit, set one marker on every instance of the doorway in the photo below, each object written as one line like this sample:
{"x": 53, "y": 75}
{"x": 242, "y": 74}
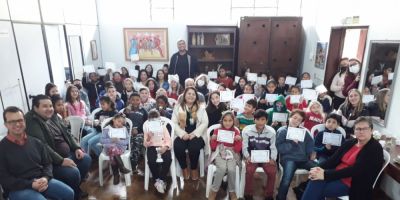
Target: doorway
{"x": 345, "y": 41}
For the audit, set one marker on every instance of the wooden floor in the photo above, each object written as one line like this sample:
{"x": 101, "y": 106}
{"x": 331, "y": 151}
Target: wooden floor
{"x": 188, "y": 190}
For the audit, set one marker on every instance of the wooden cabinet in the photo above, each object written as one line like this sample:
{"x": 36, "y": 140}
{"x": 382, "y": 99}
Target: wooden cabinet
{"x": 213, "y": 46}
{"x": 270, "y": 45}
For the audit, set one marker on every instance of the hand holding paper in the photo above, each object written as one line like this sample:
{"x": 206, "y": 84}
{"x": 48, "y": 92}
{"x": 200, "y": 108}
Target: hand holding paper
{"x": 296, "y": 134}
{"x": 225, "y": 136}
{"x": 259, "y": 156}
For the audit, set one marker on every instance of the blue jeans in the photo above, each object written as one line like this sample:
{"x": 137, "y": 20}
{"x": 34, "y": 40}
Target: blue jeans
{"x": 56, "y": 190}
{"x": 318, "y": 190}
{"x": 89, "y": 143}
{"x": 289, "y": 167}
{"x": 72, "y": 176}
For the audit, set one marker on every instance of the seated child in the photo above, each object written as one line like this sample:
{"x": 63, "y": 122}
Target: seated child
{"x": 257, "y": 137}
{"x": 324, "y": 151}
{"x": 225, "y": 156}
{"x": 247, "y": 117}
{"x": 314, "y": 115}
{"x": 271, "y": 89}
{"x": 157, "y": 141}
{"x": 295, "y": 90}
{"x": 114, "y": 146}
{"x": 279, "y": 106}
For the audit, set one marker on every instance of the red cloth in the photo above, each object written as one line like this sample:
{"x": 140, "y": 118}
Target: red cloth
{"x": 349, "y": 83}
{"x": 237, "y": 144}
{"x": 349, "y": 159}
{"x": 173, "y": 95}
{"x": 312, "y": 119}
{"x": 302, "y": 105}
{"x": 227, "y": 81}
{"x": 20, "y": 142}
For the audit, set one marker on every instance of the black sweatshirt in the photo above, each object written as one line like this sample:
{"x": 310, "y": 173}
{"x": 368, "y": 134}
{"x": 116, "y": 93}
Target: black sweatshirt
{"x": 19, "y": 165}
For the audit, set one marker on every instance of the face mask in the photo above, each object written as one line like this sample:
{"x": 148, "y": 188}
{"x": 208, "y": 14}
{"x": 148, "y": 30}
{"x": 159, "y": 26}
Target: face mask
{"x": 354, "y": 69}
{"x": 200, "y": 83}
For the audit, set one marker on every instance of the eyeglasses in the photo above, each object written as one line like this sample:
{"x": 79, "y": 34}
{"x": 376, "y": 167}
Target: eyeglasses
{"x": 362, "y": 129}
{"x": 15, "y": 122}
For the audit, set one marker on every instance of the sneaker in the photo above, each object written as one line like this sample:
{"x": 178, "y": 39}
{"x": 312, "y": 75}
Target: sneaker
{"x": 159, "y": 186}
{"x": 139, "y": 172}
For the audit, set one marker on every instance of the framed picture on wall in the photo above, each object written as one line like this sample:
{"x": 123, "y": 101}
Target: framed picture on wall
{"x": 146, "y": 44}
{"x": 320, "y": 55}
{"x": 93, "y": 49}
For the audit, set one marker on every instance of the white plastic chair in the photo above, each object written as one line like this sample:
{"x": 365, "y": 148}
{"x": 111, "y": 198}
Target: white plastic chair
{"x": 172, "y": 102}
{"x": 386, "y": 157}
{"x": 77, "y": 123}
{"x": 258, "y": 170}
{"x": 91, "y": 116}
{"x": 212, "y": 168}
{"x": 147, "y": 172}
{"x": 201, "y": 163}
{"x": 125, "y": 156}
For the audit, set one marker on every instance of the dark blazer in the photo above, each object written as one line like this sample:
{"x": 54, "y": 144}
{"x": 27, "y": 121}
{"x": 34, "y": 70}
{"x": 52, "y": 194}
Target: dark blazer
{"x": 368, "y": 163}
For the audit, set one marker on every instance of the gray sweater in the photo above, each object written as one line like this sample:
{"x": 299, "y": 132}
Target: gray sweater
{"x": 253, "y": 140}
{"x": 289, "y": 150}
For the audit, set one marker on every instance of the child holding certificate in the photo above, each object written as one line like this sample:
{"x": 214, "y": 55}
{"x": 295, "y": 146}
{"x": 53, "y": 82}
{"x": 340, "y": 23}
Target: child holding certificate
{"x": 267, "y": 97}
{"x": 327, "y": 149}
{"x": 279, "y": 107}
{"x": 295, "y": 147}
{"x": 247, "y": 117}
{"x": 292, "y": 103}
{"x": 314, "y": 115}
{"x": 226, "y": 144}
{"x": 158, "y": 143}
{"x": 115, "y": 140}
{"x": 257, "y": 138}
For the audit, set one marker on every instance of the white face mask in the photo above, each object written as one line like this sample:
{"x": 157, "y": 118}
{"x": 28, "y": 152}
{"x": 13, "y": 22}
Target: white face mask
{"x": 200, "y": 83}
{"x": 354, "y": 69}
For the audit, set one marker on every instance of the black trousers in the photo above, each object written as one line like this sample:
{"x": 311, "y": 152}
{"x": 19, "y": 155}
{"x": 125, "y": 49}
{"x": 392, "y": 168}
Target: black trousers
{"x": 158, "y": 170}
{"x": 337, "y": 101}
{"x": 193, "y": 146}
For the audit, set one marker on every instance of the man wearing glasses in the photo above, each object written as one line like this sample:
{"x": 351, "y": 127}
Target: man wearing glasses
{"x": 25, "y": 167}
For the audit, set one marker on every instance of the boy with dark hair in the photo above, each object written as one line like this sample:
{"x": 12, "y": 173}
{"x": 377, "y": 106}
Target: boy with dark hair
{"x": 247, "y": 117}
{"x": 259, "y": 136}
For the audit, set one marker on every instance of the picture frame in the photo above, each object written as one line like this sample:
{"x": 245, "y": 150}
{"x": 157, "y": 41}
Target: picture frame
{"x": 223, "y": 39}
{"x": 93, "y": 49}
{"x": 320, "y": 55}
{"x": 146, "y": 44}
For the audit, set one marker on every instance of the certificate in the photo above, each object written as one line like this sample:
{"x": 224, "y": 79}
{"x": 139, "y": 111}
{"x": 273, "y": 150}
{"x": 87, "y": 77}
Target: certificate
{"x": 271, "y": 97}
{"x": 321, "y": 89}
{"x": 295, "y": 99}
{"x": 262, "y": 80}
{"x": 252, "y": 77}
{"x": 110, "y": 65}
{"x": 88, "y": 68}
{"x": 237, "y": 103}
{"x": 155, "y": 126}
{"x": 102, "y": 72}
{"x": 279, "y": 117}
{"x": 225, "y": 136}
{"x": 332, "y": 139}
{"x": 118, "y": 133}
{"x": 310, "y": 94}
{"x": 259, "y": 156}
{"x": 134, "y": 73}
{"x": 376, "y": 80}
{"x": 290, "y": 80}
{"x": 212, "y": 86}
{"x": 390, "y": 76}
{"x": 296, "y": 134}
{"x": 247, "y": 97}
{"x": 226, "y": 96}
{"x": 366, "y": 98}
{"x": 212, "y": 75}
{"x": 237, "y": 78}
{"x": 306, "y": 83}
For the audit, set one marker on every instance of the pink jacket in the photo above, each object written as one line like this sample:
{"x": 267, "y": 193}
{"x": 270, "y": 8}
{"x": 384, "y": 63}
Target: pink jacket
{"x": 166, "y": 140}
{"x": 79, "y": 110}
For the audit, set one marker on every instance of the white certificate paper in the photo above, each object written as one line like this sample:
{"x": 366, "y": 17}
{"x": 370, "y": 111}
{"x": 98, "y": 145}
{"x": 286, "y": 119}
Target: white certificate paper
{"x": 237, "y": 103}
{"x": 259, "y": 156}
{"x": 212, "y": 86}
{"x": 310, "y": 94}
{"x": 368, "y": 98}
{"x": 102, "y": 72}
{"x": 110, "y": 65}
{"x": 118, "y": 133}
{"x": 237, "y": 79}
{"x": 306, "y": 83}
{"x": 261, "y": 80}
{"x": 155, "y": 126}
{"x": 252, "y": 77}
{"x": 295, "y": 99}
{"x": 226, "y": 96}
{"x": 279, "y": 117}
{"x": 332, "y": 139}
{"x": 225, "y": 136}
{"x": 390, "y": 76}
{"x": 212, "y": 75}
{"x": 290, "y": 80}
{"x": 134, "y": 73}
{"x": 271, "y": 97}
{"x": 88, "y": 68}
{"x": 296, "y": 134}
{"x": 247, "y": 97}
{"x": 321, "y": 89}
{"x": 376, "y": 80}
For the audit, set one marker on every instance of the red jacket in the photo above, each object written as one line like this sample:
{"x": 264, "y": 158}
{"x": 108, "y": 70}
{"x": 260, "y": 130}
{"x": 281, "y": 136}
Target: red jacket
{"x": 237, "y": 144}
{"x": 302, "y": 105}
{"x": 312, "y": 119}
{"x": 227, "y": 81}
{"x": 349, "y": 83}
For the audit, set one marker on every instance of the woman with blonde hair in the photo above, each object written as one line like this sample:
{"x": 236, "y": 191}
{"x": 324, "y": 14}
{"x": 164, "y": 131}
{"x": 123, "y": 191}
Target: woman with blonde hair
{"x": 377, "y": 108}
{"x": 191, "y": 122}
